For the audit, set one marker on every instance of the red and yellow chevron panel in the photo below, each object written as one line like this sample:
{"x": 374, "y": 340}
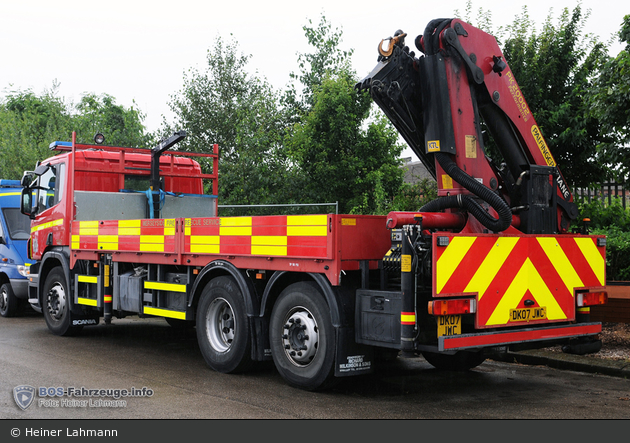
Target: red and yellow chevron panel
{"x": 125, "y": 235}
{"x": 288, "y": 235}
{"x": 513, "y": 277}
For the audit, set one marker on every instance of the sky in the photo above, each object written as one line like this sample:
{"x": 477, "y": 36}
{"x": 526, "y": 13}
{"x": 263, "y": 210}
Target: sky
{"x": 138, "y": 51}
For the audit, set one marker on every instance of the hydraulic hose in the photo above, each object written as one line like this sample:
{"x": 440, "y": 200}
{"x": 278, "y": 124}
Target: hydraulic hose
{"x": 464, "y": 201}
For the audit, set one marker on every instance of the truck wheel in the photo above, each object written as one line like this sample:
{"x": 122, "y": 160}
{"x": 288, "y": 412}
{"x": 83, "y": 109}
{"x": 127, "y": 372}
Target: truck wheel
{"x": 303, "y": 338}
{"x": 460, "y": 361}
{"x": 8, "y": 301}
{"x": 223, "y": 331}
{"x": 56, "y": 304}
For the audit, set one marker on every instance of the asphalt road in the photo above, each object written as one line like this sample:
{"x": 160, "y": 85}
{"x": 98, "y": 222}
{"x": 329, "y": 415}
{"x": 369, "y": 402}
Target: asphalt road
{"x": 140, "y": 353}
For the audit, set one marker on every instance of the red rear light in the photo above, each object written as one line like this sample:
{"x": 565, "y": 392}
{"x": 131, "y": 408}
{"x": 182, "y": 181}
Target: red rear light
{"x": 453, "y": 306}
{"x": 592, "y": 298}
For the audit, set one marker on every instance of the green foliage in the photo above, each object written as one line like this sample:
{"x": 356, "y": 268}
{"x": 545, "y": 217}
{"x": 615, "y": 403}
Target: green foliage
{"x": 613, "y": 221}
{"x": 341, "y": 152}
{"x": 555, "y": 69}
{"x": 412, "y": 196}
{"x": 121, "y": 126}
{"x": 30, "y": 122}
{"x": 327, "y": 57}
{"x": 337, "y": 157}
{"x": 223, "y": 104}
{"x": 610, "y": 105}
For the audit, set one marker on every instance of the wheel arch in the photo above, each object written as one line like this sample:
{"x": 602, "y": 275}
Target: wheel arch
{"x": 51, "y": 260}
{"x": 282, "y": 279}
{"x": 4, "y": 278}
{"x": 217, "y": 268}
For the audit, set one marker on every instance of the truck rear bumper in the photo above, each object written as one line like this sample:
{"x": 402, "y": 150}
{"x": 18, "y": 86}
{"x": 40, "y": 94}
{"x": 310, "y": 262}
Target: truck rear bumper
{"x": 506, "y": 338}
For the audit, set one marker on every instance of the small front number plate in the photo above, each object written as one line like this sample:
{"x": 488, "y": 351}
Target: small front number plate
{"x": 528, "y": 314}
{"x": 449, "y": 325}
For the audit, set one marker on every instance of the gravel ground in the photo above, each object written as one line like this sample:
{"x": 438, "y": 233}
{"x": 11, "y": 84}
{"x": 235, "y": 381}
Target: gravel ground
{"x": 615, "y": 342}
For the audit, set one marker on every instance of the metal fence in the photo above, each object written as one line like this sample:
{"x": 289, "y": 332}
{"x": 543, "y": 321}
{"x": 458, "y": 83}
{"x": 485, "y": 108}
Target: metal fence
{"x": 265, "y": 209}
{"x": 605, "y": 192}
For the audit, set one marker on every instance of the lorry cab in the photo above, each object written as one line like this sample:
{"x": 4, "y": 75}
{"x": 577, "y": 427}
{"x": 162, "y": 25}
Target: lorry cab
{"x": 15, "y": 229}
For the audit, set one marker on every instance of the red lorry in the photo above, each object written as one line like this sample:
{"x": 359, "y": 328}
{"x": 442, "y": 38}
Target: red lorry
{"x": 487, "y": 267}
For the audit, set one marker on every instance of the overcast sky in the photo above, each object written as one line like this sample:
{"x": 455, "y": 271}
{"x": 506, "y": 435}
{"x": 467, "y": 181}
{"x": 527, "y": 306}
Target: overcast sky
{"x": 138, "y": 50}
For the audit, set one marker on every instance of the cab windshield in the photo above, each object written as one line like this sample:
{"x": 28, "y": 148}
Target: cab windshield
{"x": 18, "y": 224}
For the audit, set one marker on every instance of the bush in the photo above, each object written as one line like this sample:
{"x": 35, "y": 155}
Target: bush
{"x": 613, "y": 221}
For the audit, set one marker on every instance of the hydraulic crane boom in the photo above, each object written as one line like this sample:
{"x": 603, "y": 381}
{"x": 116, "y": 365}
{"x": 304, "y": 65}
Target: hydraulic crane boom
{"x": 441, "y": 103}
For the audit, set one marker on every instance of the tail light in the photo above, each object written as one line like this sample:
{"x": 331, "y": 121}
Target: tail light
{"x": 592, "y": 298}
{"x": 453, "y": 306}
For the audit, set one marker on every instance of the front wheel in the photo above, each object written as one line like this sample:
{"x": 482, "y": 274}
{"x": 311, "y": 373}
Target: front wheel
{"x": 223, "y": 330}
{"x": 56, "y": 304}
{"x": 460, "y": 361}
{"x": 9, "y": 303}
{"x": 303, "y": 338}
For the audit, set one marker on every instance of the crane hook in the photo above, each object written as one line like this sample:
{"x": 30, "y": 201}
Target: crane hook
{"x": 393, "y": 41}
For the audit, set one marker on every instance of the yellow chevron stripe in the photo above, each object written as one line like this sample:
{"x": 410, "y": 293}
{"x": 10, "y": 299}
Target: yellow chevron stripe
{"x": 491, "y": 264}
{"x": 593, "y": 257}
{"x": 561, "y": 264}
{"x": 526, "y": 278}
{"x": 451, "y": 258}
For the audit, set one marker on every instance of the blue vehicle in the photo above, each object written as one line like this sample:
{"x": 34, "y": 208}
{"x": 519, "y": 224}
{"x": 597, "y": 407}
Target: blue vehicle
{"x": 15, "y": 230}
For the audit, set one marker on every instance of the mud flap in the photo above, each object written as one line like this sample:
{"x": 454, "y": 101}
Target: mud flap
{"x": 352, "y": 358}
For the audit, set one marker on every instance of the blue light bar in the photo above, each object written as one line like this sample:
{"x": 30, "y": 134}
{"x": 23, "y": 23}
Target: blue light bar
{"x": 53, "y": 145}
{"x": 10, "y": 183}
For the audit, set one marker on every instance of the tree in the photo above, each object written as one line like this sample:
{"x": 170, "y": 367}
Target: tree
{"x": 30, "y": 122}
{"x": 344, "y": 150}
{"x": 223, "y": 104}
{"x": 339, "y": 157}
{"x": 610, "y": 105}
{"x": 555, "y": 70}
{"x": 121, "y": 126}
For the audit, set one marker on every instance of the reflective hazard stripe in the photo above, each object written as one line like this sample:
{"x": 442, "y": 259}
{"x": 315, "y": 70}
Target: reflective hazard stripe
{"x": 87, "y": 278}
{"x": 161, "y": 286}
{"x": 49, "y": 224}
{"x": 295, "y": 235}
{"x": 87, "y": 301}
{"x": 164, "y": 313}
{"x": 504, "y": 271}
{"x": 408, "y": 318}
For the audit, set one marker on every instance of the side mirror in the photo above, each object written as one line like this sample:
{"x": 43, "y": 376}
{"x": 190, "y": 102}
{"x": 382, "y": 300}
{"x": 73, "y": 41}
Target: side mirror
{"x": 27, "y": 178}
{"x": 26, "y": 202}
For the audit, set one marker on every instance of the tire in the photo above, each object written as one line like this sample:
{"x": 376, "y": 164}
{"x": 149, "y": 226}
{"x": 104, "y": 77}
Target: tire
{"x": 223, "y": 329}
{"x": 56, "y": 304}
{"x": 460, "y": 361}
{"x": 9, "y": 303}
{"x": 303, "y": 338}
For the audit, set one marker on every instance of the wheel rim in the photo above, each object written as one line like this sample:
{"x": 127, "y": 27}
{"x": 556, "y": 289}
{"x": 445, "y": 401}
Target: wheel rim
{"x": 300, "y": 337}
{"x": 220, "y": 325}
{"x": 4, "y": 300}
{"x": 56, "y": 302}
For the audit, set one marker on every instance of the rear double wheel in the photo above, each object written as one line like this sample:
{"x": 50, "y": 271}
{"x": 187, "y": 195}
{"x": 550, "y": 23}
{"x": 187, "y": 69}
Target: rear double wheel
{"x": 303, "y": 338}
{"x": 223, "y": 331}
